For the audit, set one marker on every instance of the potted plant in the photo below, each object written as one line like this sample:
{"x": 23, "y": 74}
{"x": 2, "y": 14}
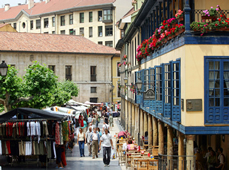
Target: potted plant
{"x": 179, "y": 16}
{"x": 124, "y": 57}
{"x": 210, "y": 14}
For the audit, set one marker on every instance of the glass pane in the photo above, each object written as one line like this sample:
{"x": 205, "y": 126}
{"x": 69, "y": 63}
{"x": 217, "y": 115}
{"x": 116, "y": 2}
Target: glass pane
{"x": 178, "y": 93}
{"x": 211, "y": 75}
{"x": 211, "y": 84}
{"x": 217, "y": 101}
{"x": 226, "y": 102}
{"x": 169, "y": 91}
{"x": 177, "y": 75}
{"x": 169, "y": 99}
{"x": 217, "y": 75}
{"x": 211, "y": 102}
{"x": 217, "y": 84}
{"x": 217, "y": 92}
{"x": 211, "y": 65}
{"x": 217, "y": 66}
{"x": 177, "y": 67}
{"x": 226, "y": 92}
{"x": 211, "y": 92}
{"x": 226, "y": 75}
{"x": 177, "y": 84}
{"x": 226, "y": 65}
{"x": 177, "y": 101}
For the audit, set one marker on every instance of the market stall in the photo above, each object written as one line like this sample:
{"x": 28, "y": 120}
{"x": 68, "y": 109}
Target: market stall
{"x": 28, "y": 132}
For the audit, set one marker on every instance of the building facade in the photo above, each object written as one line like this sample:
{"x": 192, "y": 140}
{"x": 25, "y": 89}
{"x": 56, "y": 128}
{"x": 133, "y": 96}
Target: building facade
{"x": 71, "y": 58}
{"x": 94, "y": 19}
{"x": 183, "y": 95}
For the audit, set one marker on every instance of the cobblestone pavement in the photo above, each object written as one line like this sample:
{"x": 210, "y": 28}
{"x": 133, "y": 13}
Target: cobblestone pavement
{"x": 74, "y": 161}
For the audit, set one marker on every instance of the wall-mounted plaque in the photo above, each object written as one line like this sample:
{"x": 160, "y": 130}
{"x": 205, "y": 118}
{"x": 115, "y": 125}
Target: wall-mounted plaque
{"x": 194, "y": 105}
{"x": 149, "y": 95}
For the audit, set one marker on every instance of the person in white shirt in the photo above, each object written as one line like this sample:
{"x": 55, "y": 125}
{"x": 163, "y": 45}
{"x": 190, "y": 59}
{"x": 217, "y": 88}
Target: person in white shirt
{"x": 221, "y": 159}
{"x": 105, "y": 126}
{"x": 89, "y": 143}
{"x": 106, "y": 139}
{"x": 95, "y": 143}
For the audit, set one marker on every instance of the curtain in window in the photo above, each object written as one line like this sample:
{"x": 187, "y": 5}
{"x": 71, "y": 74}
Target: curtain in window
{"x": 226, "y": 73}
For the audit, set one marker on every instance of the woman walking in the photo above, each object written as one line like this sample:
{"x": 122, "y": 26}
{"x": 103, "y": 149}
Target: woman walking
{"x": 81, "y": 139}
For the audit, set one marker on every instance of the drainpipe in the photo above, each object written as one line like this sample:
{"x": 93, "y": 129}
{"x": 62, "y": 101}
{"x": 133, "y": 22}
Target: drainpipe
{"x": 40, "y": 24}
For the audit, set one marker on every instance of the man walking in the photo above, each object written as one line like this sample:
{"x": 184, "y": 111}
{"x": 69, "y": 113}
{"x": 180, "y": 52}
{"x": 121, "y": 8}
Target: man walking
{"x": 106, "y": 139}
{"x": 89, "y": 143}
{"x": 95, "y": 143}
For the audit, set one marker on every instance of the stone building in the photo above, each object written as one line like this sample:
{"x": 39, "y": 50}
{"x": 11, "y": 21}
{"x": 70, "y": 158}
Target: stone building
{"x": 71, "y": 58}
{"x": 94, "y": 19}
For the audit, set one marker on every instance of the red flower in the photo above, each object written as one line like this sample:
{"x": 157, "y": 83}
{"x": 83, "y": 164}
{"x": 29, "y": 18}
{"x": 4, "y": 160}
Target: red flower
{"x": 222, "y": 22}
{"x": 162, "y": 27}
{"x": 219, "y": 19}
{"x": 216, "y": 25}
{"x": 221, "y": 16}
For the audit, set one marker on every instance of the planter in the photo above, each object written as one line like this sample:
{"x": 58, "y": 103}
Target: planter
{"x": 223, "y": 29}
{"x": 209, "y": 17}
{"x": 181, "y": 31}
{"x": 173, "y": 25}
{"x": 180, "y": 19}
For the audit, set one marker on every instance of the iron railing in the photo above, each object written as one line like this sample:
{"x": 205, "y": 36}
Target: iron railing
{"x": 174, "y": 162}
{"x": 197, "y": 13}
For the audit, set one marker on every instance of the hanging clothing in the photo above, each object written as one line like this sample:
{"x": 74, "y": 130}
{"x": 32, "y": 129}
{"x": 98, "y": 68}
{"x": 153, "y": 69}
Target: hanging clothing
{"x": 28, "y": 128}
{"x": 54, "y": 149}
{"x": 0, "y": 147}
{"x": 57, "y": 134}
{"x": 63, "y": 158}
{"x": 65, "y": 130}
{"x": 32, "y": 128}
{"x": 38, "y": 130}
{"x": 28, "y": 148}
{"x": 8, "y": 147}
{"x": 61, "y": 135}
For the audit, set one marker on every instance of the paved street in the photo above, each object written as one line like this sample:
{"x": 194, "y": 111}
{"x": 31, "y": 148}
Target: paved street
{"x": 74, "y": 161}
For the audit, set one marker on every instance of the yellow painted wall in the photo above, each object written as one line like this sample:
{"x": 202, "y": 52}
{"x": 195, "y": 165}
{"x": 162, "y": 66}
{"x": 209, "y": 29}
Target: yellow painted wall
{"x": 115, "y": 78}
{"x": 207, "y": 4}
{"x": 7, "y": 28}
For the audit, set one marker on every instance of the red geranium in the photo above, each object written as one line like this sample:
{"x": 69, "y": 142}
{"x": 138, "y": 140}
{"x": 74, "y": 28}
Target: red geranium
{"x": 219, "y": 19}
{"x": 216, "y": 25}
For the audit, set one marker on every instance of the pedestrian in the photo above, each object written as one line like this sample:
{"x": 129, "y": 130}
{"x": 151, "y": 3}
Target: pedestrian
{"x": 106, "y": 118}
{"x": 100, "y": 135}
{"x": 81, "y": 120}
{"x": 89, "y": 119}
{"x": 111, "y": 120}
{"x": 85, "y": 126}
{"x": 97, "y": 120}
{"x": 105, "y": 126}
{"x": 81, "y": 139}
{"x": 106, "y": 139}
{"x": 88, "y": 137}
{"x": 95, "y": 143}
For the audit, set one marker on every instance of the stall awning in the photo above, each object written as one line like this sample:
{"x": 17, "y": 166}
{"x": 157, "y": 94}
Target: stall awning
{"x": 31, "y": 113}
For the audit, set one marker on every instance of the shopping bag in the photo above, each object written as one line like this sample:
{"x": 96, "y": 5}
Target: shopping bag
{"x": 113, "y": 154}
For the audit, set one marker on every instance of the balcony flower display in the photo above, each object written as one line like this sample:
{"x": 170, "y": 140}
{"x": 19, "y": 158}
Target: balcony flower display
{"x": 119, "y": 65}
{"x": 210, "y": 14}
{"x": 179, "y": 15}
{"x": 124, "y": 63}
{"x": 167, "y": 30}
{"x": 124, "y": 57}
{"x": 132, "y": 88}
{"x": 217, "y": 24}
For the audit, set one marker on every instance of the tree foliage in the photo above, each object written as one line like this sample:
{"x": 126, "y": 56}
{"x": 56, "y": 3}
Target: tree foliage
{"x": 38, "y": 88}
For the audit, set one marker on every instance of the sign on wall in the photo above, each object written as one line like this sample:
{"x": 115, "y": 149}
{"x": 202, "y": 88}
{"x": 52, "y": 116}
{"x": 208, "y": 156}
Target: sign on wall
{"x": 149, "y": 95}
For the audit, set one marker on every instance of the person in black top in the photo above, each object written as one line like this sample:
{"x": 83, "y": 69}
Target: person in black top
{"x": 106, "y": 118}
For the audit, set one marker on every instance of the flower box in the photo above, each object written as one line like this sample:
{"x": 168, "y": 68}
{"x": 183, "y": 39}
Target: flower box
{"x": 208, "y": 17}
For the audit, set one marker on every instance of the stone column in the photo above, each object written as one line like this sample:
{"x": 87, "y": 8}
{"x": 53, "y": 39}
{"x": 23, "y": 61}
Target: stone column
{"x": 141, "y": 123}
{"x": 150, "y": 134}
{"x": 169, "y": 146}
{"x": 145, "y": 123}
{"x": 155, "y": 131}
{"x": 181, "y": 151}
{"x": 190, "y": 152}
{"x": 136, "y": 130}
{"x": 161, "y": 137}
{"x": 133, "y": 120}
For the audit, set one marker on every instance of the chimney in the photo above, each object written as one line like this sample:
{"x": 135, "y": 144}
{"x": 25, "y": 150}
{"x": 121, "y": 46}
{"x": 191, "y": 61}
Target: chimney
{"x": 46, "y": 1}
{"x": 7, "y": 7}
{"x": 30, "y": 4}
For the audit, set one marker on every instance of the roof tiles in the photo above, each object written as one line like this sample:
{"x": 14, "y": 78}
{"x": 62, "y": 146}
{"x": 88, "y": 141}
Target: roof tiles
{"x": 51, "y": 43}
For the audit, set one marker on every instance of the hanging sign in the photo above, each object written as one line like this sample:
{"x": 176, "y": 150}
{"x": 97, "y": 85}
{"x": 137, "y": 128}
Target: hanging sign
{"x": 149, "y": 95}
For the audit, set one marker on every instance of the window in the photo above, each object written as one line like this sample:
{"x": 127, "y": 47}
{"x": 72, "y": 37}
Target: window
{"x": 94, "y": 100}
{"x": 100, "y": 42}
{"x": 158, "y": 83}
{"x": 68, "y": 72}
{"x": 90, "y": 17}
{"x": 82, "y": 31}
{"x": 167, "y": 78}
{"x": 109, "y": 30}
{"x": 72, "y": 32}
{"x": 118, "y": 69}
{"x": 15, "y": 26}
{"x": 38, "y": 24}
{"x": 90, "y": 32}
{"x": 109, "y": 43}
{"x": 46, "y": 32}
{"x": 100, "y": 31}
{"x": 62, "y": 21}
{"x": 31, "y": 25}
{"x": 100, "y": 15}
{"x": 52, "y": 67}
{"x": 93, "y": 73}
{"x": 176, "y": 84}
{"x": 93, "y": 89}
{"x": 62, "y": 32}
{"x": 107, "y": 15}
{"x": 81, "y": 17}
{"x": 23, "y": 25}
{"x": 53, "y": 21}
{"x": 145, "y": 82}
{"x": 46, "y": 23}
{"x": 53, "y": 32}
{"x": 71, "y": 19}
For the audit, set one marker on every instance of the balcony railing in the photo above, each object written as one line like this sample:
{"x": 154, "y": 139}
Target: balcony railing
{"x": 197, "y": 13}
